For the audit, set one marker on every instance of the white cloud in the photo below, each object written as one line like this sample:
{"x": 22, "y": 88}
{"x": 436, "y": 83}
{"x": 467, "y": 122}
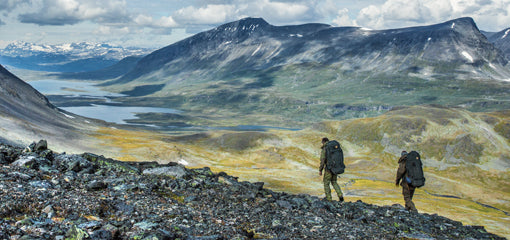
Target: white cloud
{"x": 343, "y": 18}
{"x": 326, "y": 8}
{"x": 371, "y": 16}
{"x": 402, "y": 13}
{"x": 283, "y": 11}
{"x": 275, "y": 12}
{"x": 440, "y": 9}
{"x": 68, "y": 12}
{"x": 209, "y": 14}
{"x": 167, "y": 22}
{"x": 106, "y": 31}
{"x": 9, "y": 5}
{"x": 494, "y": 16}
{"x": 148, "y": 21}
{"x": 143, "y": 20}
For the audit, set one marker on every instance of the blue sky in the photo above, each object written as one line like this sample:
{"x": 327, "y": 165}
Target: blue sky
{"x": 157, "y": 23}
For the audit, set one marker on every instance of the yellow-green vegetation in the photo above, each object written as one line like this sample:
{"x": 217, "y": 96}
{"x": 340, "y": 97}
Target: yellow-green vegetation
{"x": 466, "y": 158}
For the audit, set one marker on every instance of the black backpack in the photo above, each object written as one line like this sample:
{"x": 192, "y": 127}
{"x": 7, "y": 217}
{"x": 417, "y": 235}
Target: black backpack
{"x": 334, "y": 157}
{"x": 414, "y": 169}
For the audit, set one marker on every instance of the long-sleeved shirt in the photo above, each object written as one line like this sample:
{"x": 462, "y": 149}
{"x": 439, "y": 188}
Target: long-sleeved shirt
{"x": 401, "y": 169}
{"x": 323, "y": 157}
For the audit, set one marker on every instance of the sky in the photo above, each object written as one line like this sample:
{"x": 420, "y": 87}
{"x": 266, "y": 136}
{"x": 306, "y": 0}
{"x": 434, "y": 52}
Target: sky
{"x": 158, "y": 23}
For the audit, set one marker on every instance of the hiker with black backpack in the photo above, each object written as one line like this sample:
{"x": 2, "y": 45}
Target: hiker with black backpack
{"x": 410, "y": 172}
{"x": 332, "y": 162}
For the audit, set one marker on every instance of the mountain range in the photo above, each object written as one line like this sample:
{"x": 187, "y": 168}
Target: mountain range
{"x": 71, "y": 57}
{"x": 315, "y": 71}
{"x": 252, "y": 44}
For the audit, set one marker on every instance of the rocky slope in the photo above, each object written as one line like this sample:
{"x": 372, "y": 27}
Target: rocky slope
{"x": 48, "y": 195}
{"x": 26, "y": 113}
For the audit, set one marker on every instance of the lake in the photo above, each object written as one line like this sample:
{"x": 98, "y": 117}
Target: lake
{"x": 114, "y": 112}
{"x": 109, "y": 113}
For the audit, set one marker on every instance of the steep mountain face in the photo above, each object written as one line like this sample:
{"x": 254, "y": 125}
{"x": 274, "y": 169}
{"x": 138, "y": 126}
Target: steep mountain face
{"x": 316, "y": 71}
{"x": 246, "y": 44}
{"x": 502, "y": 41}
{"x": 26, "y": 114}
{"x": 73, "y": 57}
{"x": 253, "y": 44}
{"x": 20, "y": 99}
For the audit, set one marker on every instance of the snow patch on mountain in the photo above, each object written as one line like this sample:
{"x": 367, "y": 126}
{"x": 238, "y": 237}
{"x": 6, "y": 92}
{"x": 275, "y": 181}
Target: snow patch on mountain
{"x": 468, "y": 56}
{"x": 506, "y": 34}
{"x": 256, "y": 50}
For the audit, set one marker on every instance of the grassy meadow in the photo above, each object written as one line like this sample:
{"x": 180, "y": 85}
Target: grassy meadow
{"x": 466, "y": 158}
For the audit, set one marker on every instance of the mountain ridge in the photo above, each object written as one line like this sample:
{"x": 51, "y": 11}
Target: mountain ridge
{"x": 502, "y": 41}
{"x": 248, "y": 31}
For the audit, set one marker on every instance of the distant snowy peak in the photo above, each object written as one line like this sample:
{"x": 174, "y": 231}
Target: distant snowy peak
{"x": 79, "y": 50}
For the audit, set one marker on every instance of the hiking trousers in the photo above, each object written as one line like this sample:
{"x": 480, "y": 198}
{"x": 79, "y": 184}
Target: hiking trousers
{"x": 330, "y": 178}
{"x": 408, "y": 192}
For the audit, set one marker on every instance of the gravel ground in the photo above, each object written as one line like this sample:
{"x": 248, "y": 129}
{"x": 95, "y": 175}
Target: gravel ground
{"x": 47, "y": 195}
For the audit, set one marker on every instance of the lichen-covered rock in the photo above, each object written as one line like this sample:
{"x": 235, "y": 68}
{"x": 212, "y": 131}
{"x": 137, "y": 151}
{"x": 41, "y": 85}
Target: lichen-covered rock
{"x": 110, "y": 164}
{"x": 171, "y": 171}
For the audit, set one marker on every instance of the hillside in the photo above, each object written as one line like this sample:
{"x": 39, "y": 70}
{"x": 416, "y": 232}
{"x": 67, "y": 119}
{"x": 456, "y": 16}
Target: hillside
{"x": 25, "y": 113}
{"x": 250, "y": 69}
{"x": 54, "y": 196}
{"x": 466, "y": 157}
{"x": 253, "y": 44}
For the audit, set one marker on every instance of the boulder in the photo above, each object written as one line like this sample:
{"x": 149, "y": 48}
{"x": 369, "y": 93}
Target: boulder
{"x": 42, "y": 145}
{"x": 171, "y": 171}
{"x": 96, "y": 185}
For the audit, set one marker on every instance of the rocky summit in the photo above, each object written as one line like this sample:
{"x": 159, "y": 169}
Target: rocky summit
{"x": 49, "y": 195}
